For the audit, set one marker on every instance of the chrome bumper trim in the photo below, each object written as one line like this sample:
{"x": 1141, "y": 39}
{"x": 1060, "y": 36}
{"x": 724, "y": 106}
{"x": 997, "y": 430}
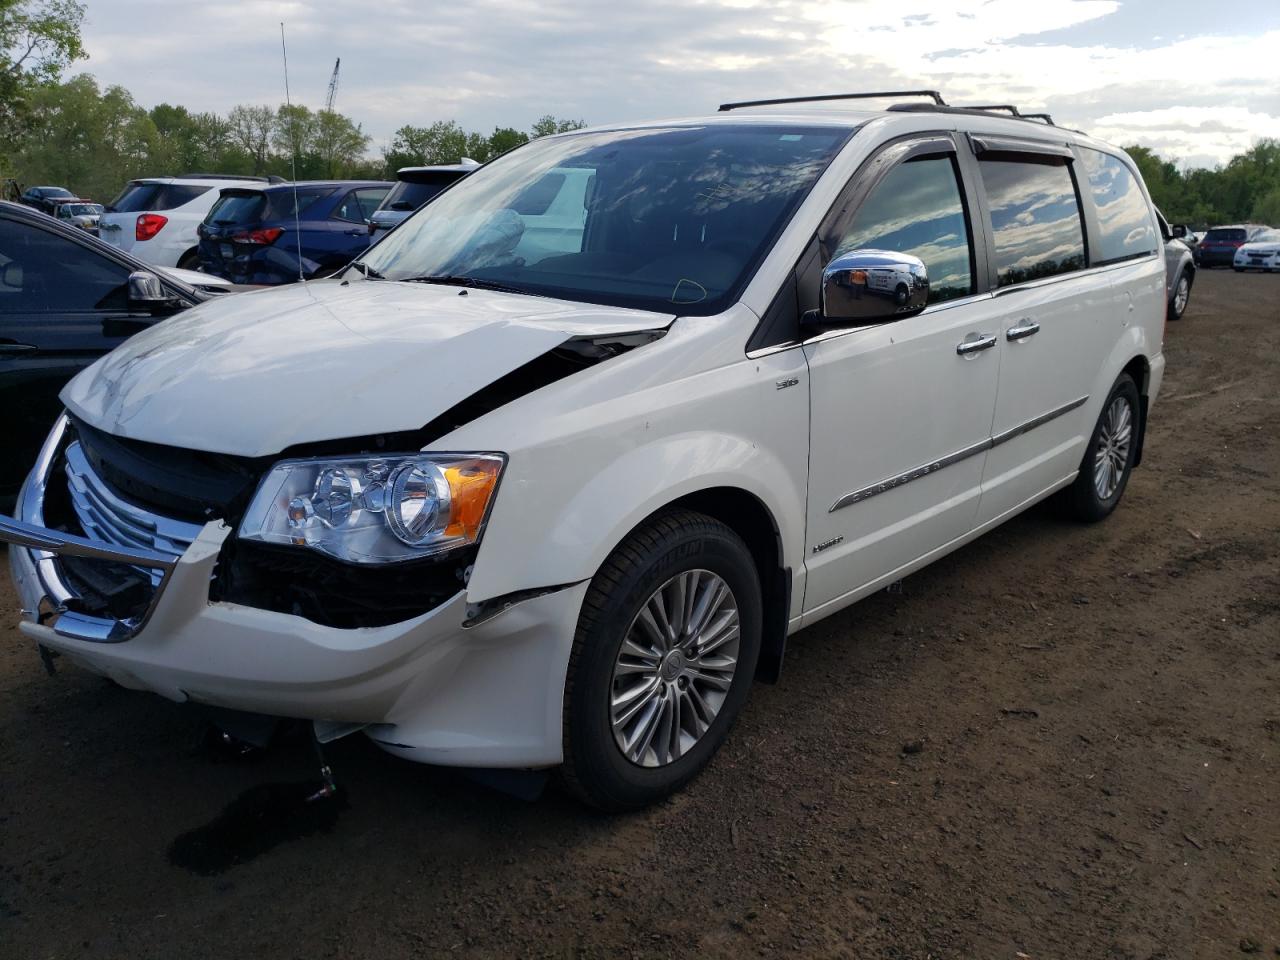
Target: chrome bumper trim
{"x": 43, "y": 546}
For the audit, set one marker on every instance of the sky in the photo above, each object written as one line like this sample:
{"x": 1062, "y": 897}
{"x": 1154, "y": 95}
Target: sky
{"x": 1197, "y": 82}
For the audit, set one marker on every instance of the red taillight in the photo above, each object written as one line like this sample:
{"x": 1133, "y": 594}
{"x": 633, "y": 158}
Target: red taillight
{"x": 268, "y": 236}
{"x": 149, "y": 224}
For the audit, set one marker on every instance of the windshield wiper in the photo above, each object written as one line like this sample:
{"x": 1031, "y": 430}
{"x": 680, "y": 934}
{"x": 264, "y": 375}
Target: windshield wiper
{"x": 477, "y": 283}
{"x": 368, "y": 271}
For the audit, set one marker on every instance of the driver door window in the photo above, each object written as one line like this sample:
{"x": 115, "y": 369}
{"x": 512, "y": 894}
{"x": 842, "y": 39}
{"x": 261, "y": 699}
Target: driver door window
{"x": 45, "y": 273}
{"x": 918, "y": 209}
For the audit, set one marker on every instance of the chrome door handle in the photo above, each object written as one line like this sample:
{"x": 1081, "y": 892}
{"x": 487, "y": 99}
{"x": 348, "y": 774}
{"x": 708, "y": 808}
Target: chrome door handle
{"x": 974, "y": 343}
{"x": 1022, "y": 329}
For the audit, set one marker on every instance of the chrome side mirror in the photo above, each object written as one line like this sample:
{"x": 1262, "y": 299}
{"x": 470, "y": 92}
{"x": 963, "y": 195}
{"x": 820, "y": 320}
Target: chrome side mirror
{"x": 873, "y": 286}
{"x": 146, "y": 292}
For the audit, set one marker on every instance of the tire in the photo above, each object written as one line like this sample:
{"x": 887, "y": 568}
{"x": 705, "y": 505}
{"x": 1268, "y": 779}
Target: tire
{"x": 189, "y": 261}
{"x": 674, "y": 549}
{"x": 1092, "y": 497}
{"x": 1238, "y": 269}
{"x": 1181, "y": 297}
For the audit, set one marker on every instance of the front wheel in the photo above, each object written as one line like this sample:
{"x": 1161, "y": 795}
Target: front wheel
{"x": 662, "y": 661}
{"x": 1108, "y": 459}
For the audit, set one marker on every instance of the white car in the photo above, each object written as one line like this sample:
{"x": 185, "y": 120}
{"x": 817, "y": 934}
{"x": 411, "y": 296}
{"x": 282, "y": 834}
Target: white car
{"x": 1260, "y": 253}
{"x": 155, "y": 218}
{"x": 557, "y": 505}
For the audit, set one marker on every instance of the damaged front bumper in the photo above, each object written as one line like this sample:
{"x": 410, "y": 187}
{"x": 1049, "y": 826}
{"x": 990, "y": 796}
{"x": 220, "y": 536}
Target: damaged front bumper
{"x": 437, "y": 688}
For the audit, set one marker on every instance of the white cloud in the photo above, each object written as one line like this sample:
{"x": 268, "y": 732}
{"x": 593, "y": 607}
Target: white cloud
{"x": 506, "y": 62}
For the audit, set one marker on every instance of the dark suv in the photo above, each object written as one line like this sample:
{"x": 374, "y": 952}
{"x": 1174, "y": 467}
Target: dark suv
{"x": 252, "y": 234}
{"x": 1218, "y": 247}
{"x": 45, "y": 199}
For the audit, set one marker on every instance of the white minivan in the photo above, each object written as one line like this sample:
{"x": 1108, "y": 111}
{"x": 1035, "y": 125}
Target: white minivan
{"x": 527, "y": 505}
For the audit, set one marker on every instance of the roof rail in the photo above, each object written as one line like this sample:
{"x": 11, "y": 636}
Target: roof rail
{"x": 1007, "y": 107}
{"x": 1039, "y": 116}
{"x": 870, "y": 95}
{"x": 218, "y": 176}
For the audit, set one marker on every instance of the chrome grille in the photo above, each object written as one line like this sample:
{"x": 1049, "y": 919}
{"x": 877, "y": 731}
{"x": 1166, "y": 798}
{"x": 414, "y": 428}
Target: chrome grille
{"x": 106, "y": 517}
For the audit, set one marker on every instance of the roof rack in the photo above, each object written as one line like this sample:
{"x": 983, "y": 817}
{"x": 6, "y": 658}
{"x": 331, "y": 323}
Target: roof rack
{"x": 1039, "y": 116}
{"x": 219, "y": 176}
{"x": 1014, "y": 113}
{"x": 871, "y": 95}
{"x": 1007, "y": 107}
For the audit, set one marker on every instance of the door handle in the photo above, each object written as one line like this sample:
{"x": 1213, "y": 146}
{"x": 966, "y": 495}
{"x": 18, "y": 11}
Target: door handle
{"x": 1022, "y": 329}
{"x": 358, "y": 233}
{"x": 975, "y": 343}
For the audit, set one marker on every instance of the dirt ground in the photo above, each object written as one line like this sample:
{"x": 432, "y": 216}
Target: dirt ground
{"x": 1098, "y": 710}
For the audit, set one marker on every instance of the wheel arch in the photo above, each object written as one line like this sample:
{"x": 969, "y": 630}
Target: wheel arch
{"x": 1139, "y": 368}
{"x": 747, "y": 515}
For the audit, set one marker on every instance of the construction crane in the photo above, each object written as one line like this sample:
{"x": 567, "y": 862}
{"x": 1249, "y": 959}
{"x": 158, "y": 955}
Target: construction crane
{"x": 333, "y": 86}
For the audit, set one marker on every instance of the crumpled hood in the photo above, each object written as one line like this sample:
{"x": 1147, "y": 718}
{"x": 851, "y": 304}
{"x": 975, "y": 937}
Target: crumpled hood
{"x": 258, "y": 372}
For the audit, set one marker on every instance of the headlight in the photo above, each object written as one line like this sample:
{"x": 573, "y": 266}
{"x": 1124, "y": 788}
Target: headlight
{"x": 375, "y": 509}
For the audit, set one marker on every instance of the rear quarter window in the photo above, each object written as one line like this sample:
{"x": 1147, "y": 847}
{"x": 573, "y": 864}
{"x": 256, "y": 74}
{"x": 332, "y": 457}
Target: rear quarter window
{"x": 144, "y": 197}
{"x": 1035, "y": 217}
{"x": 1124, "y": 220}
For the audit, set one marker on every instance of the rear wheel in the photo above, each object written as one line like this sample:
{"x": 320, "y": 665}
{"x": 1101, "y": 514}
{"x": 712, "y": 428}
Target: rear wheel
{"x": 662, "y": 661}
{"x": 189, "y": 261}
{"x": 1108, "y": 459}
{"x": 1181, "y": 296}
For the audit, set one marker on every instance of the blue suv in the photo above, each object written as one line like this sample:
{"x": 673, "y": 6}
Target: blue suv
{"x": 251, "y": 234}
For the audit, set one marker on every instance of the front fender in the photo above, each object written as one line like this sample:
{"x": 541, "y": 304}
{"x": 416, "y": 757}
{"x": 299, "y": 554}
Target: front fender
{"x": 585, "y": 481}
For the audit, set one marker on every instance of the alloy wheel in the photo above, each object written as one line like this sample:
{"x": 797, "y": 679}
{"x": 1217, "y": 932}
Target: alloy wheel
{"x": 674, "y": 669}
{"x": 1112, "y": 456}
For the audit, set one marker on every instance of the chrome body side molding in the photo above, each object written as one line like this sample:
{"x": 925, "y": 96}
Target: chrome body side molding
{"x": 892, "y": 483}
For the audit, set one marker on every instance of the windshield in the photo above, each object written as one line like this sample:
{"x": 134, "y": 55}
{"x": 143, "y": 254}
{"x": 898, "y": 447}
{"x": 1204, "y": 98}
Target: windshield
{"x": 671, "y": 219}
{"x": 79, "y": 209}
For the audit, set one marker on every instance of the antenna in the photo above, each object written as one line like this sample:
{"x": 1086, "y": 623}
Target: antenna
{"x": 333, "y": 87}
{"x": 293, "y": 153}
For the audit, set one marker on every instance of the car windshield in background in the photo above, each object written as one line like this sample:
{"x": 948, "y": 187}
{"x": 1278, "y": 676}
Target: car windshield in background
{"x": 79, "y": 209}
{"x": 670, "y": 219}
{"x": 1231, "y": 234}
{"x": 410, "y": 196}
{"x": 138, "y": 197}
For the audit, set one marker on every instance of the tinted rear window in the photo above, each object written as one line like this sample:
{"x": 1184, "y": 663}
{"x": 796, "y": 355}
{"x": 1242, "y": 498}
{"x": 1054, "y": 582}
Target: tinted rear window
{"x": 1229, "y": 233}
{"x": 282, "y": 200}
{"x": 1036, "y": 218}
{"x": 141, "y": 197}
{"x": 237, "y": 208}
{"x": 1124, "y": 220}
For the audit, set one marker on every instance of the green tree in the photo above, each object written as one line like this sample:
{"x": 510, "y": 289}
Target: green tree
{"x": 337, "y": 142}
{"x": 503, "y": 139}
{"x": 547, "y": 125}
{"x": 87, "y": 139}
{"x": 38, "y": 40}
{"x": 250, "y": 128}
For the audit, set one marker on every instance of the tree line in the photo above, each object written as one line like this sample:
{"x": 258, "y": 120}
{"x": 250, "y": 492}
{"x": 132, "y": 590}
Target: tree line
{"x": 73, "y": 133}
{"x": 1245, "y": 189}
{"x": 92, "y": 140}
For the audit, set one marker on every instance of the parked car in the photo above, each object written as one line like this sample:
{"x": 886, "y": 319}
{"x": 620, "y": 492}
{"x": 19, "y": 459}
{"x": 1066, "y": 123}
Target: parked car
{"x": 1218, "y": 246}
{"x": 1260, "y": 253}
{"x": 155, "y": 218}
{"x": 44, "y": 198}
{"x": 84, "y": 214}
{"x": 65, "y": 300}
{"x": 414, "y": 187}
{"x": 1179, "y": 267}
{"x": 252, "y": 234}
{"x": 518, "y": 500}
